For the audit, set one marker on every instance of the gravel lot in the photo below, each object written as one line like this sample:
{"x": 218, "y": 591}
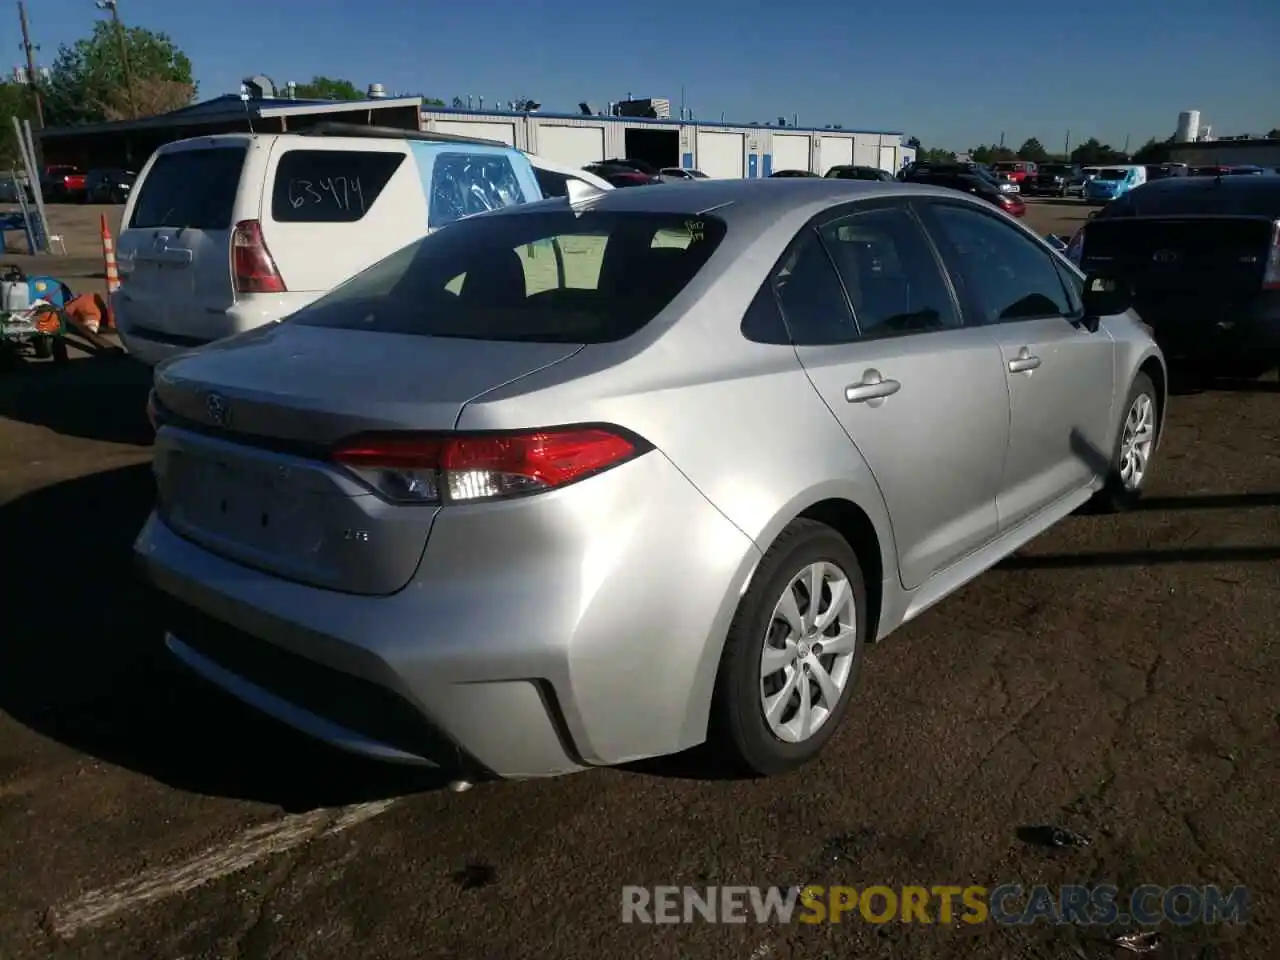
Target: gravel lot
{"x": 1118, "y": 678}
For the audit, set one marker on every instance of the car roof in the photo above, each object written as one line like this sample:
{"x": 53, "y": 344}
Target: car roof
{"x": 750, "y": 203}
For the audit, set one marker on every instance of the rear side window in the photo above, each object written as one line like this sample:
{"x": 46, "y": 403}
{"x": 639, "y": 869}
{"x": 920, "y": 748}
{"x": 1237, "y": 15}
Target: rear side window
{"x": 330, "y": 186}
{"x": 551, "y": 184}
{"x": 550, "y": 277}
{"x": 463, "y": 184}
{"x": 169, "y": 196}
{"x": 890, "y": 274}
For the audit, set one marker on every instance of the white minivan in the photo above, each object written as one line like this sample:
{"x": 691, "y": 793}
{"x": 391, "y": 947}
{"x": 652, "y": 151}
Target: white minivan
{"x": 226, "y": 233}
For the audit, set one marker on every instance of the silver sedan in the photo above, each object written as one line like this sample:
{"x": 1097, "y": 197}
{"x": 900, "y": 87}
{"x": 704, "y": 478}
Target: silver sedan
{"x": 578, "y": 483}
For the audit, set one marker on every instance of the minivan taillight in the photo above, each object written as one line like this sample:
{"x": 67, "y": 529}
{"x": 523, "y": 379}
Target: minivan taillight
{"x": 1271, "y": 276}
{"x": 465, "y": 468}
{"x": 252, "y": 265}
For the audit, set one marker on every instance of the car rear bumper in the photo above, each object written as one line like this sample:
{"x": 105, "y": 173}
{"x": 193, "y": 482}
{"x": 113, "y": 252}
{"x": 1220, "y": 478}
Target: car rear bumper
{"x": 538, "y": 637}
{"x": 1208, "y": 330}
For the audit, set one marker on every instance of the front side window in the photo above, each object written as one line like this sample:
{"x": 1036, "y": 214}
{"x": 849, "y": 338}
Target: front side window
{"x": 890, "y": 273}
{"x": 559, "y": 276}
{"x": 463, "y": 184}
{"x": 1012, "y": 276}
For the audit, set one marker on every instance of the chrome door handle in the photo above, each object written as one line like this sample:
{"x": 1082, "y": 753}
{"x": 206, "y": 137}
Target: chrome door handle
{"x": 873, "y": 387}
{"x": 1024, "y": 362}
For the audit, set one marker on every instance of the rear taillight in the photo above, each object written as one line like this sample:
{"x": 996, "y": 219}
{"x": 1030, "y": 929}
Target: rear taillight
{"x": 1271, "y": 276}
{"x": 462, "y": 468}
{"x": 252, "y": 264}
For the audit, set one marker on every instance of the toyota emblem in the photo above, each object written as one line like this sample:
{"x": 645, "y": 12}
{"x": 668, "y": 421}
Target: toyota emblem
{"x": 218, "y": 411}
{"x": 1165, "y": 256}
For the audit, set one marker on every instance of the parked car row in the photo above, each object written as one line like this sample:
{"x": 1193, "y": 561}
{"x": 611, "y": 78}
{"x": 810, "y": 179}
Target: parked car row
{"x": 411, "y": 520}
{"x": 65, "y": 183}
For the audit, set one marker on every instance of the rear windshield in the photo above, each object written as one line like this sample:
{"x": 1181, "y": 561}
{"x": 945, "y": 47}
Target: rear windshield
{"x": 1113, "y": 174}
{"x": 193, "y": 189}
{"x": 1259, "y": 198}
{"x": 552, "y": 277}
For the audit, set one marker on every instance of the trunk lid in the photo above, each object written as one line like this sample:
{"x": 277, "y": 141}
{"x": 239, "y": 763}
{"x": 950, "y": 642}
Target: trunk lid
{"x": 1176, "y": 256}
{"x": 245, "y": 425}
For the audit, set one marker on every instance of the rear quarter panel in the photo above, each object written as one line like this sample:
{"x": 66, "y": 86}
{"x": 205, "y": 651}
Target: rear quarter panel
{"x": 316, "y": 257}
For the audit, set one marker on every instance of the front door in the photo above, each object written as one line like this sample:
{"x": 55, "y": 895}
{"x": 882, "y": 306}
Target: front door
{"x": 1060, "y": 375}
{"x": 921, "y": 396}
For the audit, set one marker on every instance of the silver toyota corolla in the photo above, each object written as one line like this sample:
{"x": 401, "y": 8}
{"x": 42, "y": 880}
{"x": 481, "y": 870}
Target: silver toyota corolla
{"x": 583, "y": 482}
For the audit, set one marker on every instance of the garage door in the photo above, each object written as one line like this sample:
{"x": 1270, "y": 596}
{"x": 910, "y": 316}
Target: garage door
{"x": 720, "y": 155}
{"x": 836, "y": 152}
{"x": 502, "y": 132}
{"x": 866, "y": 153}
{"x": 889, "y": 159}
{"x": 790, "y": 151}
{"x": 576, "y": 146}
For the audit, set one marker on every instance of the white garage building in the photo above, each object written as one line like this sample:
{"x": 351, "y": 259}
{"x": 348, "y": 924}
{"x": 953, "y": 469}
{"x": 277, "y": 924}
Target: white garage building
{"x": 717, "y": 149}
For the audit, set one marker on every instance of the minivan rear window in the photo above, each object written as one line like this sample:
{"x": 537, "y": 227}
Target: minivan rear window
{"x": 330, "y": 186}
{"x": 562, "y": 276}
{"x": 191, "y": 189}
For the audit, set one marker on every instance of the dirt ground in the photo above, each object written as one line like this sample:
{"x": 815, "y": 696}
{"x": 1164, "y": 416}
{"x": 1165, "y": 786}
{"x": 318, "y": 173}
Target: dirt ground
{"x": 1118, "y": 678}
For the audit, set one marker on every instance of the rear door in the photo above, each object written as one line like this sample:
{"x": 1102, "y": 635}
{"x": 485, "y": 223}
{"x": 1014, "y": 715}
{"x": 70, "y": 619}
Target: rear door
{"x": 174, "y": 251}
{"x": 921, "y": 396}
{"x": 1060, "y": 375}
{"x": 333, "y": 206}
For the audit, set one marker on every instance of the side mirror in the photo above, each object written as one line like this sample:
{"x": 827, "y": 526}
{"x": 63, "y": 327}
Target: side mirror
{"x": 1093, "y": 213}
{"x": 1104, "y": 296}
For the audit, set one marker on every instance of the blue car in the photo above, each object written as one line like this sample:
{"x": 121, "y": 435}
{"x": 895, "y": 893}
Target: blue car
{"x": 1112, "y": 182}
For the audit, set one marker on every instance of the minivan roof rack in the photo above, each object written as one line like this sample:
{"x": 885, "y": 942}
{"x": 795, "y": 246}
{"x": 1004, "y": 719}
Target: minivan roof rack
{"x": 332, "y": 128}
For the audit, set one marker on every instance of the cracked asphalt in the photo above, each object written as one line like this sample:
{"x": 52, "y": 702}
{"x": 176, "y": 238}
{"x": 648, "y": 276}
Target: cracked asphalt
{"x": 1118, "y": 678}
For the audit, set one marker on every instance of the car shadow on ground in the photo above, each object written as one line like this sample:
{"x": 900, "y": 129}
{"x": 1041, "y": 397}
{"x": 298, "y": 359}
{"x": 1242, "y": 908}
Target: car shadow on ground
{"x": 96, "y": 398}
{"x": 82, "y": 662}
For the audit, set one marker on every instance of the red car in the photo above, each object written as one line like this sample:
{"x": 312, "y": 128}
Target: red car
{"x": 62, "y": 182}
{"x": 1012, "y": 204}
{"x": 1015, "y": 170}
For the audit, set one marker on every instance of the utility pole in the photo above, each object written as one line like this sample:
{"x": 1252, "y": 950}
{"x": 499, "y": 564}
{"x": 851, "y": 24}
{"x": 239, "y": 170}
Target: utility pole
{"x": 113, "y": 7}
{"x": 33, "y": 78}
{"x": 1066, "y": 147}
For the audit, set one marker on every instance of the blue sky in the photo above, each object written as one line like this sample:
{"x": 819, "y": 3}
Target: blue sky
{"x": 952, "y": 73}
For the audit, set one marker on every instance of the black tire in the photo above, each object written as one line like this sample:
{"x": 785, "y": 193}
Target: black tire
{"x": 738, "y": 724}
{"x": 1116, "y": 496}
{"x": 42, "y": 347}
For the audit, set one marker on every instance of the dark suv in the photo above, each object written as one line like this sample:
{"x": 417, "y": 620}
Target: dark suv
{"x": 858, "y": 173}
{"x": 960, "y": 178}
{"x": 1054, "y": 180}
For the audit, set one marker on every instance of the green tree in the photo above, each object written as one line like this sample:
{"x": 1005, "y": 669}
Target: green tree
{"x": 1033, "y": 150}
{"x": 935, "y": 155}
{"x": 15, "y": 101}
{"x": 1153, "y": 151}
{"x": 327, "y": 88}
{"x": 87, "y": 81}
{"x": 1092, "y": 152}
{"x": 1273, "y": 133}
{"x": 990, "y": 153}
